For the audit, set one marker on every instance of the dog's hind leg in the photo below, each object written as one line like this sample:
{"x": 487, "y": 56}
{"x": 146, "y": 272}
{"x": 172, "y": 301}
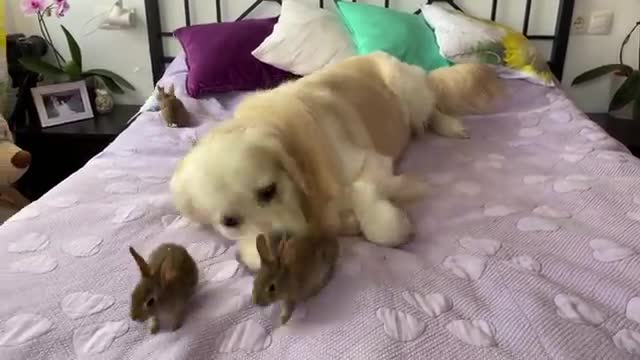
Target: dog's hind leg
{"x": 404, "y": 188}
{"x": 397, "y": 188}
{"x": 381, "y": 221}
{"x": 372, "y": 198}
{"x": 447, "y": 125}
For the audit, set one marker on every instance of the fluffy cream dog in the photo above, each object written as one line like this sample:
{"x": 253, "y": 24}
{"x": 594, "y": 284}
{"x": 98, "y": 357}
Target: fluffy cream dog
{"x": 325, "y": 146}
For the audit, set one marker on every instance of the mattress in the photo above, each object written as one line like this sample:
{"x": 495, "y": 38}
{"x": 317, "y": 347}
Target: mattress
{"x": 526, "y": 248}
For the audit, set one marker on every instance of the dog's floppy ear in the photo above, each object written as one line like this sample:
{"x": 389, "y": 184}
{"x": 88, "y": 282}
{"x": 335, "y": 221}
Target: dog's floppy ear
{"x": 182, "y": 197}
{"x": 291, "y": 165}
{"x": 297, "y": 170}
{"x": 307, "y": 163}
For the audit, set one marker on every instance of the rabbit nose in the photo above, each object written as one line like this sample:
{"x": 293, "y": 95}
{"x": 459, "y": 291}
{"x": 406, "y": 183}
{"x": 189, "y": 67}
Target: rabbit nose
{"x": 21, "y": 160}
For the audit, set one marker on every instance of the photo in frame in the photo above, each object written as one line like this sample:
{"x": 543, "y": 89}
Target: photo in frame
{"x": 62, "y": 103}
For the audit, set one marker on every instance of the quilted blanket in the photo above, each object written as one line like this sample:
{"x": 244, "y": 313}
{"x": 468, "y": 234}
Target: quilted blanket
{"x": 527, "y": 248}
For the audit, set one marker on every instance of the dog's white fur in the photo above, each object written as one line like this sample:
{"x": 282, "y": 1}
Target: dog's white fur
{"x": 328, "y": 141}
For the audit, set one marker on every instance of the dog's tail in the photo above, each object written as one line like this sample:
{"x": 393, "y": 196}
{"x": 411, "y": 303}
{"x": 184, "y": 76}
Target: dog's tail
{"x": 466, "y": 89}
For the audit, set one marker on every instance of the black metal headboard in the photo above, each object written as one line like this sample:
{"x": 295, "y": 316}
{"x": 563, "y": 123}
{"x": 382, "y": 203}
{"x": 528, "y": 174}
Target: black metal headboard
{"x": 159, "y": 59}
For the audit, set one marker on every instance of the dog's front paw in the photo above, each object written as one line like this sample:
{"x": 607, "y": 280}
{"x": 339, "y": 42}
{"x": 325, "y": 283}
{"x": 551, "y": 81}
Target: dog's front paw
{"x": 455, "y": 130}
{"x": 462, "y": 134}
{"x": 448, "y": 126}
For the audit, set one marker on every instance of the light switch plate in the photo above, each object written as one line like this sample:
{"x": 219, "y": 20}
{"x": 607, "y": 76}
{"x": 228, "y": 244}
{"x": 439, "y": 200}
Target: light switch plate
{"x": 600, "y": 22}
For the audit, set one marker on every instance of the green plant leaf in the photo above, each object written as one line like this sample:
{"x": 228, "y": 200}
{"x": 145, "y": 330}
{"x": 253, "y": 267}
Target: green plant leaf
{"x": 74, "y": 49}
{"x": 111, "y": 85}
{"x": 600, "y": 71}
{"x": 113, "y": 76}
{"x": 38, "y": 66}
{"x": 628, "y": 91}
{"x": 73, "y": 70}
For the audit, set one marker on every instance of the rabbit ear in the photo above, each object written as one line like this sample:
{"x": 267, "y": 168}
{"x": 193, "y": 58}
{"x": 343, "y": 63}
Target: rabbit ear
{"x": 286, "y": 248}
{"x": 279, "y": 242}
{"x": 264, "y": 249}
{"x": 144, "y": 267}
{"x": 167, "y": 273}
{"x": 172, "y": 90}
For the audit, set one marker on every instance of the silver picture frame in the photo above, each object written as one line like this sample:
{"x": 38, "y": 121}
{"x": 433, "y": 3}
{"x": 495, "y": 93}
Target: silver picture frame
{"x": 62, "y": 103}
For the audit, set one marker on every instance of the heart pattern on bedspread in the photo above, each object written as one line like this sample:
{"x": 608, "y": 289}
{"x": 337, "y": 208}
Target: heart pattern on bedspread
{"x": 526, "y": 238}
{"x": 432, "y": 304}
{"x": 81, "y": 304}
{"x": 22, "y": 328}
{"x": 473, "y": 332}
{"x": 29, "y": 243}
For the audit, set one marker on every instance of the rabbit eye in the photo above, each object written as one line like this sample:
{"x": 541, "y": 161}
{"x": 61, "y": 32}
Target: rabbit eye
{"x": 150, "y": 302}
{"x": 267, "y": 193}
{"x": 272, "y": 288}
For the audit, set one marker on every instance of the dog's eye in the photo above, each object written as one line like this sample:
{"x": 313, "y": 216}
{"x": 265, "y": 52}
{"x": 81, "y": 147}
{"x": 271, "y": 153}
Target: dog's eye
{"x": 231, "y": 221}
{"x": 150, "y": 302}
{"x": 267, "y": 193}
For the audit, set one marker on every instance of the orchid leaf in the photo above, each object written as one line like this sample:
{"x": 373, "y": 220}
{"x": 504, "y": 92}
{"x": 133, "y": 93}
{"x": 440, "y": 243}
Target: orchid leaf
{"x": 73, "y": 70}
{"x": 74, "y": 48}
{"x": 36, "y": 65}
{"x": 113, "y": 76}
{"x": 629, "y": 91}
{"x": 601, "y": 71}
{"x": 111, "y": 85}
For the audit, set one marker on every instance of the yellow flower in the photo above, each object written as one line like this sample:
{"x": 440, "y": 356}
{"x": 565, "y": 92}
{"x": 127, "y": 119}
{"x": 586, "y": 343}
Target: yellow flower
{"x": 516, "y": 50}
{"x": 520, "y": 54}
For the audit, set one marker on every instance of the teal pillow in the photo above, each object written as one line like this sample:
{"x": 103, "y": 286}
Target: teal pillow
{"x": 403, "y": 35}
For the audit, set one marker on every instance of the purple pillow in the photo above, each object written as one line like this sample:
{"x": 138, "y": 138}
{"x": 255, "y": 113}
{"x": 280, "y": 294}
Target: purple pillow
{"x": 219, "y": 58}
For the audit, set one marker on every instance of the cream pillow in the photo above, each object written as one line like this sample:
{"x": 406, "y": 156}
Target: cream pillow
{"x": 464, "y": 39}
{"x": 305, "y": 39}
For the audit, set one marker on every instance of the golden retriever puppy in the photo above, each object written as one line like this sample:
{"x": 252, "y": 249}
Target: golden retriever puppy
{"x": 326, "y": 142}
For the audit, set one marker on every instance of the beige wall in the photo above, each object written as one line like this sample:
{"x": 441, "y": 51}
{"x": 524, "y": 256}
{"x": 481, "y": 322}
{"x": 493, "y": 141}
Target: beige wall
{"x": 127, "y": 53}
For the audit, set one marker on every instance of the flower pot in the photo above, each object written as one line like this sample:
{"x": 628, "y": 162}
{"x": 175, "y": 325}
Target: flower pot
{"x": 627, "y": 111}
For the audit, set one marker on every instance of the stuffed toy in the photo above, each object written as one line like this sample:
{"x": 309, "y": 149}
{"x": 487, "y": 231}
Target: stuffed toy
{"x": 14, "y": 162}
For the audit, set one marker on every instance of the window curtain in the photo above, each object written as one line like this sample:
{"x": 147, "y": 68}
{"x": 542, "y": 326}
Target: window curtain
{"x": 4, "y": 73}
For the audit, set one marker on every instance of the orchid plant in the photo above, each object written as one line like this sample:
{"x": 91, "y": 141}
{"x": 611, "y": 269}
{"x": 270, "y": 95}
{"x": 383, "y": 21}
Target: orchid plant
{"x": 629, "y": 91}
{"x": 66, "y": 70}
{"x": 41, "y": 9}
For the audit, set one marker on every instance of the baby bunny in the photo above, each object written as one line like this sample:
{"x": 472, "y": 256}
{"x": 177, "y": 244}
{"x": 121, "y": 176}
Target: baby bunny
{"x": 293, "y": 269}
{"x": 168, "y": 282}
{"x": 172, "y": 109}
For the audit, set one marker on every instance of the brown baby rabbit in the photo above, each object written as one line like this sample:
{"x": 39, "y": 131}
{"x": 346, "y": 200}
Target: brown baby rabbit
{"x": 293, "y": 269}
{"x": 172, "y": 109}
{"x": 168, "y": 281}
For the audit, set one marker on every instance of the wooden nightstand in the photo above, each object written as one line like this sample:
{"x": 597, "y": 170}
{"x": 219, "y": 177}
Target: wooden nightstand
{"x": 624, "y": 130}
{"x": 61, "y": 150}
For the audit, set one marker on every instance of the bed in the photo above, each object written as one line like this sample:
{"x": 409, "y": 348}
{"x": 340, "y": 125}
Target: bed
{"x": 527, "y": 248}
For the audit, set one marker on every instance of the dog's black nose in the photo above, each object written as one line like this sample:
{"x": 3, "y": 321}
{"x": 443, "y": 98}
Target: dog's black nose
{"x": 231, "y": 221}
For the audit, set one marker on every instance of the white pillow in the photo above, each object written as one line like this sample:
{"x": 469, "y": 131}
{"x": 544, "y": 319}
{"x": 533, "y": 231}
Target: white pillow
{"x": 305, "y": 39}
{"x": 457, "y": 33}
